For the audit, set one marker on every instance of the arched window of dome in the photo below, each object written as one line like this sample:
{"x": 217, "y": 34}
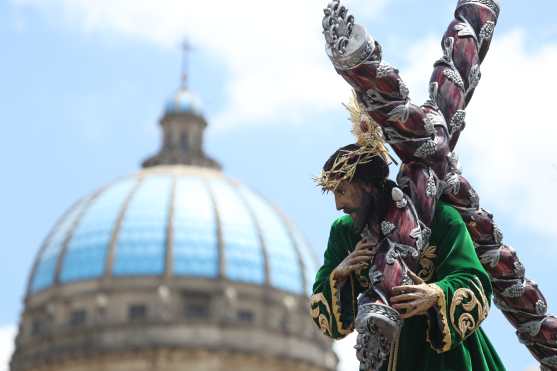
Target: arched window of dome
{"x": 246, "y": 315}
{"x": 137, "y": 312}
{"x": 184, "y": 141}
{"x": 197, "y": 305}
{"x": 78, "y": 318}
{"x": 38, "y": 327}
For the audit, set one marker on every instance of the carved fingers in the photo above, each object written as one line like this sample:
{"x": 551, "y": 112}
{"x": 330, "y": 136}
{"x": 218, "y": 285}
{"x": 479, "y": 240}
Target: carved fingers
{"x": 413, "y": 300}
{"x": 357, "y": 260}
{"x": 337, "y": 26}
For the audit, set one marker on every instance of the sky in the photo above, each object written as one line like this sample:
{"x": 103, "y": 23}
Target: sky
{"x": 83, "y": 84}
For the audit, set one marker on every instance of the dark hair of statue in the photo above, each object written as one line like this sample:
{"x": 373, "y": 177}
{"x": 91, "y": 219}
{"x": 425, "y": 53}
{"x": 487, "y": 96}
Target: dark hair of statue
{"x": 374, "y": 172}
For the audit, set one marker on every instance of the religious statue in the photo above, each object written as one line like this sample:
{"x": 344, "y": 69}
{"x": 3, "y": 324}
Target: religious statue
{"x": 405, "y": 235}
{"x": 415, "y": 295}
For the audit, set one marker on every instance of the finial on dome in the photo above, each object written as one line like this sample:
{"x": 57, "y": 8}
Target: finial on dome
{"x": 186, "y": 49}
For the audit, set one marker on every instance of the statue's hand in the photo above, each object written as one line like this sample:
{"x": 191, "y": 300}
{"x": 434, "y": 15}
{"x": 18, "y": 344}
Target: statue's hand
{"x": 414, "y": 299}
{"x": 357, "y": 260}
{"x": 337, "y": 26}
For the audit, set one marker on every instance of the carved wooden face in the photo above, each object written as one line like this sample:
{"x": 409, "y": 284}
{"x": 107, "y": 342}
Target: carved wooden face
{"x": 356, "y": 200}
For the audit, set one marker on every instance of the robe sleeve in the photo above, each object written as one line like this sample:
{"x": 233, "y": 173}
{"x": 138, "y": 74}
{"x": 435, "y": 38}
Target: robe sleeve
{"x": 333, "y": 303}
{"x": 462, "y": 283}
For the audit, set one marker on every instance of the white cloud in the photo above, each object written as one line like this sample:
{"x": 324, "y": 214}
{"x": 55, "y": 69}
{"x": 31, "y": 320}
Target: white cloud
{"x": 346, "y": 353}
{"x": 278, "y": 72}
{"x": 509, "y": 142}
{"x": 273, "y": 52}
{"x": 7, "y": 336}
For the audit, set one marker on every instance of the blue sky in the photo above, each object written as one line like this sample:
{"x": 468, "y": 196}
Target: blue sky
{"x": 84, "y": 83}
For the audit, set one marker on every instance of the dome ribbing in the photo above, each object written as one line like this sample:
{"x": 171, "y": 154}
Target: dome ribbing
{"x": 175, "y": 221}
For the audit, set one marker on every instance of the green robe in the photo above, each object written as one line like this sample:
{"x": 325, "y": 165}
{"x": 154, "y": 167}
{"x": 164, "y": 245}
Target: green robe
{"x": 449, "y": 336}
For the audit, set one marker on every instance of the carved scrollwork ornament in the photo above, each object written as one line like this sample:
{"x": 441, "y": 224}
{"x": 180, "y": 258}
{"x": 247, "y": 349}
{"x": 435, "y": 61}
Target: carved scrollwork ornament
{"x": 486, "y": 32}
{"x": 426, "y": 235}
{"x": 541, "y": 307}
{"x": 474, "y": 77}
{"x": 387, "y": 227}
{"x": 452, "y": 183}
{"x": 373, "y": 100}
{"x": 457, "y": 122}
{"x": 474, "y": 198}
{"x": 447, "y": 58}
{"x": 531, "y": 328}
{"x": 384, "y": 69}
{"x": 451, "y": 72}
{"x": 398, "y": 250}
{"x": 375, "y": 276}
{"x": 490, "y": 4}
{"x": 515, "y": 291}
{"x": 421, "y": 239}
{"x": 465, "y": 29}
{"x": 454, "y": 163}
{"x": 400, "y": 113}
{"x": 405, "y": 279}
{"x": 497, "y": 234}
{"x": 454, "y": 76}
{"x": 519, "y": 269}
{"x": 433, "y": 92}
{"x": 378, "y": 328}
{"x": 431, "y": 187}
{"x": 491, "y": 257}
{"x": 433, "y": 119}
{"x": 403, "y": 90}
{"x": 427, "y": 149}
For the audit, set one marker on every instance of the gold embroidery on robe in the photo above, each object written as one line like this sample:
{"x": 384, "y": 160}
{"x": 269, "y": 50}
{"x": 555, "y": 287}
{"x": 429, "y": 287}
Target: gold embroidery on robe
{"x": 335, "y": 299}
{"x": 442, "y": 310}
{"x": 316, "y": 314}
{"x": 426, "y": 263}
{"x": 485, "y": 308}
{"x": 467, "y": 301}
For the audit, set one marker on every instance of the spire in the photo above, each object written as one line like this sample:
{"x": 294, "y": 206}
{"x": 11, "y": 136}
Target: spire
{"x": 183, "y": 126}
{"x": 186, "y": 49}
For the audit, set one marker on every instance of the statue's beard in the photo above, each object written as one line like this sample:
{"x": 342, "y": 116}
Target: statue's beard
{"x": 367, "y": 212}
{"x": 373, "y": 208}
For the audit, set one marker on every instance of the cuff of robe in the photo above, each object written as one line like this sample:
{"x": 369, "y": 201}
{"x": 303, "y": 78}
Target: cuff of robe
{"x": 343, "y": 304}
{"x": 438, "y": 331}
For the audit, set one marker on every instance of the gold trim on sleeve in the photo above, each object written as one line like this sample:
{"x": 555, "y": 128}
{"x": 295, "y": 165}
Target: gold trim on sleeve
{"x": 467, "y": 300}
{"x": 335, "y": 299}
{"x": 319, "y": 317}
{"x": 445, "y": 330}
{"x": 479, "y": 287}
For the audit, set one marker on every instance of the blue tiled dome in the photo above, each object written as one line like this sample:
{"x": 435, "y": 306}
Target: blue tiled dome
{"x": 178, "y": 221}
{"x": 183, "y": 102}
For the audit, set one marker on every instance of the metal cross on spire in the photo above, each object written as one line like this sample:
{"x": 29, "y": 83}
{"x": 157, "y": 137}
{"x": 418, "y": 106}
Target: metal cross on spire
{"x": 186, "y": 49}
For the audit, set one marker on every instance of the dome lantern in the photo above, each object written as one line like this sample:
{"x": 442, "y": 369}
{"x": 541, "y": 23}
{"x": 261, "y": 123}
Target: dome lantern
{"x": 183, "y": 126}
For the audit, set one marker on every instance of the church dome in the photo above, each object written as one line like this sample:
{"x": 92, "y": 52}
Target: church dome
{"x": 174, "y": 268}
{"x": 175, "y": 221}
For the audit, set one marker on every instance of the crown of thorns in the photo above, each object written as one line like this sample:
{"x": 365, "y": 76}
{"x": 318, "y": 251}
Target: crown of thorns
{"x": 371, "y": 145}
